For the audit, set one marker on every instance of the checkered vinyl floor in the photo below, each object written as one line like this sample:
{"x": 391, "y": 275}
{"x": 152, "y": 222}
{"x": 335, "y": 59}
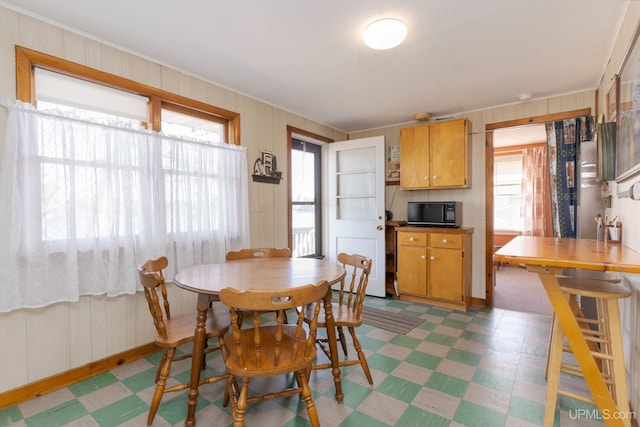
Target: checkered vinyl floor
{"x": 484, "y": 367}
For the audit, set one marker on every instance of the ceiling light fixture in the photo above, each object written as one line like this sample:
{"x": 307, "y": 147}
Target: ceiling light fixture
{"x": 384, "y": 33}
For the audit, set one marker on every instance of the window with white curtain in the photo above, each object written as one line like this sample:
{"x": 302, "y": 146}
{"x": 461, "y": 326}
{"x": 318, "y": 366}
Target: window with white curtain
{"x": 88, "y": 194}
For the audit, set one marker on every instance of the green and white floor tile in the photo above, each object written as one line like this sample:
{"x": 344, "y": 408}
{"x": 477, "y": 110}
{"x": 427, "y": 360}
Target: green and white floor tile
{"x": 479, "y": 368}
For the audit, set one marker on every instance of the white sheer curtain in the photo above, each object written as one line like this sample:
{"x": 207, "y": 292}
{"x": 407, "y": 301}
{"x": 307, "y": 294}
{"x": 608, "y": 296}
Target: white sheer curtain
{"x": 83, "y": 203}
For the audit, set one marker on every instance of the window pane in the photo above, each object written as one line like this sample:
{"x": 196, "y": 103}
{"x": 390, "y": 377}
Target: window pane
{"x": 507, "y": 213}
{"x": 306, "y": 209}
{"x": 356, "y": 208}
{"x": 507, "y": 192}
{"x": 303, "y": 230}
{"x": 95, "y": 116}
{"x": 60, "y": 89}
{"x": 508, "y": 170}
{"x": 361, "y": 159}
{"x": 191, "y": 127}
{"x": 356, "y": 184}
{"x": 82, "y": 171}
{"x": 303, "y": 170}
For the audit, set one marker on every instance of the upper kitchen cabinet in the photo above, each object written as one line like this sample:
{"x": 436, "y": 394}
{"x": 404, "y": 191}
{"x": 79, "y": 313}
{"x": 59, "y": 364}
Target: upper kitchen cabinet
{"x": 436, "y": 155}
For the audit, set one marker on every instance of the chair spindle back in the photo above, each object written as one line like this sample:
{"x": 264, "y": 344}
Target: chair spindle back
{"x": 263, "y": 344}
{"x": 354, "y": 285}
{"x": 259, "y": 253}
{"x": 152, "y": 278}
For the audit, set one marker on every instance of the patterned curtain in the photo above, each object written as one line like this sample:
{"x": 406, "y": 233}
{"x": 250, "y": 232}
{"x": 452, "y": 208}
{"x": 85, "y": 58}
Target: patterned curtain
{"x": 563, "y": 142}
{"x": 532, "y": 220}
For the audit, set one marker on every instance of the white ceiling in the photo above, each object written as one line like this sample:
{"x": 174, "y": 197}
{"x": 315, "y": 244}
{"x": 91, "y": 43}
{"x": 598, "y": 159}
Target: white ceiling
{"x": 307, "y": 57}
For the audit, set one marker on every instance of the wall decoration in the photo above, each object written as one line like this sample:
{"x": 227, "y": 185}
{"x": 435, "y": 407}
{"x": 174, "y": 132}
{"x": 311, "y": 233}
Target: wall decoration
{"x": 393, "y": 165}
{"x": 265, "y": 168}
{"x": 628, "y": 113}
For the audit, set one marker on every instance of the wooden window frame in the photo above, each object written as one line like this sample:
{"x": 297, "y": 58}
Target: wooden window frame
{"x": 27, "y": 60}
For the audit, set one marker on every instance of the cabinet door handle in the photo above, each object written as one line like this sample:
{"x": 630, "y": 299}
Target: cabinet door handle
{"x": 423, "y": 257}
{"x": 433, "y": 258}
{"x": 444, "y": 240}
{"x": 411, "y": 239}
{"x": 426, "y": 178}
{"x": 435, "y": 176}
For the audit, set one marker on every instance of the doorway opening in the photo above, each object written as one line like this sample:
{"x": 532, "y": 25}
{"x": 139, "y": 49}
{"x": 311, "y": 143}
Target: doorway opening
{"x": 490, "y": 151}
{"x": 516, "y": 289}
{"x": 305, "y": 219}
{"x": 306, "y": 206}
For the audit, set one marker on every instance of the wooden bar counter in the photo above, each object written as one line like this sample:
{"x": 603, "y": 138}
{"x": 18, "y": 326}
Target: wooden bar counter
{"x": 549, "y": 257}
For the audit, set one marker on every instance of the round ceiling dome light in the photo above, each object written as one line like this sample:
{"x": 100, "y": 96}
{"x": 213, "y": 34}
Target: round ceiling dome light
{"x": 384, "y": 33}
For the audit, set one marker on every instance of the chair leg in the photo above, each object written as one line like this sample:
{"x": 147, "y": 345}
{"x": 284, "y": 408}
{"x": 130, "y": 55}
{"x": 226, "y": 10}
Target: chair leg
{"x": 160, "y": 365}
{"x": 204, "y": 354}
{"x": 308, "y": 371}
{"x": 161, "y": 382}
{"x": 343, "y": 341}
{"x": 239, "y": 406}
{"x": 617, "y": 351}
{"x": 305, "y": 394}
{"x": 361, "y": 357}
{"x": 231, "y": 385}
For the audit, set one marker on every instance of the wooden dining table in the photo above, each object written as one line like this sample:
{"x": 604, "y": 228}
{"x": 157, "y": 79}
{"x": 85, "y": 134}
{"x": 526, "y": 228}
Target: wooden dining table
{"x": 549, "y": 257}
{"x": 256, "y": 273}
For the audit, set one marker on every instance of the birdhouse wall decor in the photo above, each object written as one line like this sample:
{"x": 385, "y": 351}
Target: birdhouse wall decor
{"x": 265, "y": 168}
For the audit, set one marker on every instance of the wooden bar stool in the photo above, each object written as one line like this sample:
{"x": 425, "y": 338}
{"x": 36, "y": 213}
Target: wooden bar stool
{"x": 604, "y": 336}
{"x": 576, "y": 307}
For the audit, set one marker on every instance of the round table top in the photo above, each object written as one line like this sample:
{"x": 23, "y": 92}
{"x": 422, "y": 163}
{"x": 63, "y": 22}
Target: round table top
{"x": 258, "y": 273}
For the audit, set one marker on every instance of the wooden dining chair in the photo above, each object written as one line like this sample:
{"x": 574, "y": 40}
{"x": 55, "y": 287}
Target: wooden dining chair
{"x": 347, "y": 311}
{"x": 270, "y": 349}
{"x": 174, "y": 331}
{"x": 259, "y": 253}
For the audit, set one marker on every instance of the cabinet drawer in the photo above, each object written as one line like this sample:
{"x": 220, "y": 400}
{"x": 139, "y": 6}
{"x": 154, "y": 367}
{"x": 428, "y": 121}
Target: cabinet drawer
{"x": 412, "y": 239}
{"x": 442, "y": 240}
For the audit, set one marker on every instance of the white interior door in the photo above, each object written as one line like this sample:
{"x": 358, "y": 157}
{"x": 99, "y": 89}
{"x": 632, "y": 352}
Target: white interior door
{"x": 355, "y": 196}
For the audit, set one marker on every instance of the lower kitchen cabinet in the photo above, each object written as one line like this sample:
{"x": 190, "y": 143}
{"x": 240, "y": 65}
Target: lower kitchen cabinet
{"x": 434, "y": 265}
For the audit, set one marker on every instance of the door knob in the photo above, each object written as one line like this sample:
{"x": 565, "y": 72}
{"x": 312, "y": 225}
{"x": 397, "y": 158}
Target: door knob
{"x": 380, "y": 227}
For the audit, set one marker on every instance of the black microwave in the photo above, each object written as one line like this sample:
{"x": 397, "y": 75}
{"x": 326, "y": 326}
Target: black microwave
{"x": 435, "y": 214}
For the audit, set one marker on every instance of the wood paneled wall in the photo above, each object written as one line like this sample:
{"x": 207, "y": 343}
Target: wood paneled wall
{"x": 473, "y": 199}
{"x": 627, "y": 211}
{"x": 42, "y": 342}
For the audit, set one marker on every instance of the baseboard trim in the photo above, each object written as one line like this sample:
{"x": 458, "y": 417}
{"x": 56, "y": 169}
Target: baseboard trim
{"x": 479, "y": 302}
{"x": 64, "y": 379}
